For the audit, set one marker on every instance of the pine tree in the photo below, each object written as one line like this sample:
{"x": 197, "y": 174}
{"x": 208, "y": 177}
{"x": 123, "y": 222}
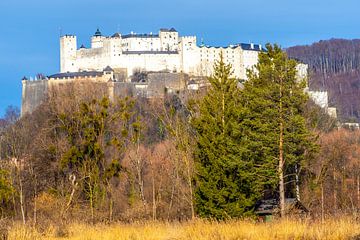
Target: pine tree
{"x": 225, "y": 184}
{"x": 273, "y": 102}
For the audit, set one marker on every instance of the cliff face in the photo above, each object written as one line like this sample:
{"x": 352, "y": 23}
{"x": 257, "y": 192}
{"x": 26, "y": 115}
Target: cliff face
{"x": 335, "y": 67}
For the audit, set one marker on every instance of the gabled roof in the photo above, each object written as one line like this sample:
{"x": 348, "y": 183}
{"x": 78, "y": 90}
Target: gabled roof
{"x": 167, "y": 30}
{"x": 108, "y": 69}
{"x": 116, "y": 35}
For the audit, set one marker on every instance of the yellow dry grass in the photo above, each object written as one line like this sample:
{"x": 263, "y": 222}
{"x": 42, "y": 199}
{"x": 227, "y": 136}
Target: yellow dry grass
{"x": 200, "y": 230}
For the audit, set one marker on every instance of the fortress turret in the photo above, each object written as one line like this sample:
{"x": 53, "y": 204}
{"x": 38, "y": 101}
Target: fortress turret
{"x": 68, "y": 47}
{"x": 97, "y": 41}
{"x": 169, "y": 39}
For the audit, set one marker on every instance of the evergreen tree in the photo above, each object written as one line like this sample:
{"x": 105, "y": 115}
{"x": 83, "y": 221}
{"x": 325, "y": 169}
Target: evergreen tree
{"x": 277, "y": 139}
{"x": 226, "y": 185}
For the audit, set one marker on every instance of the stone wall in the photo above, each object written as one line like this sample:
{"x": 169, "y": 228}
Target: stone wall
{"x": 33, "y": 94}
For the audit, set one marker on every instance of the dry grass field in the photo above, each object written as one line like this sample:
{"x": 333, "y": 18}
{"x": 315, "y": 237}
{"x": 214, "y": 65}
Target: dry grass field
{"x": 198, "y": 230}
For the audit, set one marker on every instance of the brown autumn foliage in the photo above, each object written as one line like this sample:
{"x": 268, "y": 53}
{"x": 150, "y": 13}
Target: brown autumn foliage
{"x": 332, "y": 184}
{"x": 153, "y": 182}
{"x": 156, "y": 181}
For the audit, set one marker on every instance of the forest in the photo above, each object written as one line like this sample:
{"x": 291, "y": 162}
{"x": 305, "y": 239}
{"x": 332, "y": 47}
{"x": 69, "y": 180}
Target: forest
{"x": 334, "y": 67}
{"x": 212, "y": 154}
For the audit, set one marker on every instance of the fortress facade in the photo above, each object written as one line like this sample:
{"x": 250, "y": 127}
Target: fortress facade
{"x": 148, "y": 65}
{"x": 164, "y": 51}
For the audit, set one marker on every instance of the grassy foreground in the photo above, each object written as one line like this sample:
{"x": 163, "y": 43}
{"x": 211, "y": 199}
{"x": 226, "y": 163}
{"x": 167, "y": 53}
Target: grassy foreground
{"x": 200, "y": 230}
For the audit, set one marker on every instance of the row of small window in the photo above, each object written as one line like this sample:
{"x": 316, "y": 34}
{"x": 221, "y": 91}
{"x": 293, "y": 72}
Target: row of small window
{"x": 170, "y": 38}
{"x": 215, "y": 56}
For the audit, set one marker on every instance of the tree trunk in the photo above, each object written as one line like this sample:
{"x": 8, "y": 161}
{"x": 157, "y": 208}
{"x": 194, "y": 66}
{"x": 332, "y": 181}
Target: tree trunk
{"x": 358, "y": 191}
{"x": 35, "y": 204}
{"x": 281, "y": 173}
{"x": 297, "y": 183}
{"x": 322, "y": 202}
{"x": 335, "y": 191}
{"x": 281, "y": 158}
{"x": 190, "y": 187}
{"x": 153, "y": 196}
{"x": 22, "y": 207}
{"x": 111, "y": 204}
{"x": 139, "y": 173}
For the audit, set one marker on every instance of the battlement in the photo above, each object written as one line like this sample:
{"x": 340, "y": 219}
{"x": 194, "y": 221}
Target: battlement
{"x": 68, "y": 36}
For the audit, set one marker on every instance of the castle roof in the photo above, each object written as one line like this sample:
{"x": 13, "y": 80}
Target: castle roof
{"x": 97, "y": 33}
{"x": 82, "y": 46}
{"x": 251, "y": 47}
{"x": 150, "y": 52}
{"x": 77, "y": 74}
{"x": 108, "y": 69}
{"x": 116, "y": 35}
{"x": 207, "y": 46}
{"x": 167, "y": 30}
{"x": 144, "y": 35}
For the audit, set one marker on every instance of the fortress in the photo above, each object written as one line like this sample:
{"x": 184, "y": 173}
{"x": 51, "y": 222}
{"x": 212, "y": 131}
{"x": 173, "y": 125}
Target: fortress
{"x": 165, "y": 51}
{"x": 149, "y": 65}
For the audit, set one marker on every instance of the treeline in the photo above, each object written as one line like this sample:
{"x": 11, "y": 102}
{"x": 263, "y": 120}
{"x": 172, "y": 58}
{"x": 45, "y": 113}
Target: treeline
{"x": 211, "y": 154}
{"x": 334, "y": 67}
{"x": 329, "y": 57}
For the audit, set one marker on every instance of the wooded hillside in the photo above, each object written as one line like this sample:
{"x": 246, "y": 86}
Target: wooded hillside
{"x": 335, "y": 67}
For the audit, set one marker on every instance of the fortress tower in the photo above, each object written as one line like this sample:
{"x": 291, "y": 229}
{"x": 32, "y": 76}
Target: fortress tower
{"x": 169, "y": 39}
{"x": 97, "y": 41}
{"x": 68, "y": 47}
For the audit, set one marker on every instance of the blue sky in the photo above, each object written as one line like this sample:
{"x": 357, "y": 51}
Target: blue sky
{"x": 29, "y": 29}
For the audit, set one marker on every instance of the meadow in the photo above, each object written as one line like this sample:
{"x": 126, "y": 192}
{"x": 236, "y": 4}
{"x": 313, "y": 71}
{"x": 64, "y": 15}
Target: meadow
{"x": 344, "y": 228}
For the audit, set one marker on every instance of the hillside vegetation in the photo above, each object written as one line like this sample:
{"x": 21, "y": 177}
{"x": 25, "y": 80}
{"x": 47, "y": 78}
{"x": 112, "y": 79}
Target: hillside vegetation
{"x": 83, "y": 160}
{"x": 334, "y": 67}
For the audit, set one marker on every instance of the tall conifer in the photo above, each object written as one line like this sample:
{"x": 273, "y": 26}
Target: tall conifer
{"x": 225, "y": 183}
{"x": 277, "y": 139}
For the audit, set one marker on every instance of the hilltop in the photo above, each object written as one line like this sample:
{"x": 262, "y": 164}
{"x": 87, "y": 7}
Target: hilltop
{"x": 334, "y": 67}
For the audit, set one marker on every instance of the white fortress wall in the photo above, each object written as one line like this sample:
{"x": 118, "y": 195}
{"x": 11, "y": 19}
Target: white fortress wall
{"x": 189, "y": 54}
{"x": 320, "y": 98}
{"x": 146, "y": 61}
{"x": 143, "y": 42}
{"x": 91, "y": 59}
{"x": 231, "y": 55}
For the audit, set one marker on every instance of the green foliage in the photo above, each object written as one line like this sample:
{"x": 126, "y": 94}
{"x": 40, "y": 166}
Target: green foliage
{"x": 272, "y": 96}
{"x": 6, "y": 188}
{"x": 225, "y": 180}
{"x": 96, "y": 129}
